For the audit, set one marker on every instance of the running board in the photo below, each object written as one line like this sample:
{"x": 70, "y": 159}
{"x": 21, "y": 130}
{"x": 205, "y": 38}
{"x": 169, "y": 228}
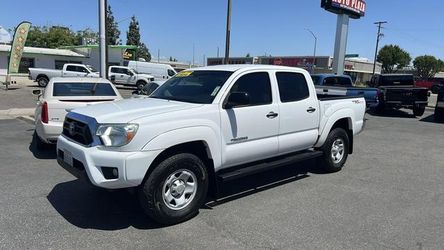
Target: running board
{"x": 265, "y": 165}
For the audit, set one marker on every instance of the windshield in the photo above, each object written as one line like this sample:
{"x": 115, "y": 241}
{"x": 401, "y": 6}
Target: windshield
{"x": 193, "y": 86}
{"x": 91, "y": 68}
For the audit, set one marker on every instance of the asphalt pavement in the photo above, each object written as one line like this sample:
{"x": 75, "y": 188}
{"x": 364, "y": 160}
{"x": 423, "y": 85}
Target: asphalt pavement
{"x": 390, "y": 195}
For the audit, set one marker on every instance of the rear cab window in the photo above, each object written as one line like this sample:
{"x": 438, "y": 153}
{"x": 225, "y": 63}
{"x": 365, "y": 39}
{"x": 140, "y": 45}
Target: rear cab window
{"x": 82, "y": 89}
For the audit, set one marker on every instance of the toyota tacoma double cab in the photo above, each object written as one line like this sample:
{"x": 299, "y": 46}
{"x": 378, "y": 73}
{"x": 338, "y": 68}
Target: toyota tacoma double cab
{"x": 205, "y": 127}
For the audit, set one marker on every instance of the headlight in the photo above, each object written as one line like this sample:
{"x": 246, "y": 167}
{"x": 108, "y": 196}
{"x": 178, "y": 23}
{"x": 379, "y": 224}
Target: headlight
{"x": 116, "y": 135}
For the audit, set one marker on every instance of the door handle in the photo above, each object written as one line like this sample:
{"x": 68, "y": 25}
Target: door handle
{"x": 325, "y": 90}
{"x": 311, "y": 110}
{"x": 272, "y": 115}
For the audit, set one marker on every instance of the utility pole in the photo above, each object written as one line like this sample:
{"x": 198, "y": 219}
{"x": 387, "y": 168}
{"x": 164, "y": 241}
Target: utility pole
{"x": 227, "y": 41}
{"x": 193, "y": 54}
{"x": 158, "y": 55}
{"x": 103, "y": 41}
{"x": 217, "y": 51}
{"x": 377, "y": 43}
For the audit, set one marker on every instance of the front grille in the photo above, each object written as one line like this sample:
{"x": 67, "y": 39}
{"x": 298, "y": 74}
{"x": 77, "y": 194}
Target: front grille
{"x": 77, "y": 131}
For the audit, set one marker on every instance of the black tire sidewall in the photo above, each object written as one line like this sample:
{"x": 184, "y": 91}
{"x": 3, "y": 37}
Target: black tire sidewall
{"x": 151, "y": 190}
{"x": 140, "y": 85}
{"x": 419, "y": 111}
{"x": 335, "y": 134}
{"x": 42, "y": 85}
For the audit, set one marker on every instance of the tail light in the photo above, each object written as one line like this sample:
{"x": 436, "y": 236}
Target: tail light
{"x": 45, "y": 117}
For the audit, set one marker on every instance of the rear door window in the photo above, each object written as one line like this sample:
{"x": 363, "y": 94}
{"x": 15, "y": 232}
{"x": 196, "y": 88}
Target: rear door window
{"x": 82, "y": 89}
{"x": 344, "y": 82}
{"x": 292, "y": 86}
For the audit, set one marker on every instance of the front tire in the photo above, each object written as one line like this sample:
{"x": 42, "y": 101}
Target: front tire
{"x": 175, "y": 189}
{"x": 336, "y": 150}
{"x": 140, "y": 85}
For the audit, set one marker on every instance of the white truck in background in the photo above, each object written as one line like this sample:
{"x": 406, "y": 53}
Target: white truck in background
{"x": 204, "y": 127}
{"x": 42, "y": 76}
{"x": 161, "y": 72}
{"x": 121, "y": 75}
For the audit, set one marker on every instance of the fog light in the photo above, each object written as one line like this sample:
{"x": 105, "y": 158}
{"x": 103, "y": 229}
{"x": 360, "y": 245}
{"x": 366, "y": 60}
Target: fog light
{"x": 110, "y": 173}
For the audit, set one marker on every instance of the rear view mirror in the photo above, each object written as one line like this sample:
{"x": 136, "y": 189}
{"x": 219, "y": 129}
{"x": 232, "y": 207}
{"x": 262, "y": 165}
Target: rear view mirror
{"x": 237, "y": 99}
{"x": 37, "y": 92}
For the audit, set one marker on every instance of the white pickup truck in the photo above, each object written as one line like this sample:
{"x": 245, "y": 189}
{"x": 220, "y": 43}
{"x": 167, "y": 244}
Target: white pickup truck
{"x": 121, "y": 75}
{"x": 206, "y": 126}
{"x": 42, "y": 76}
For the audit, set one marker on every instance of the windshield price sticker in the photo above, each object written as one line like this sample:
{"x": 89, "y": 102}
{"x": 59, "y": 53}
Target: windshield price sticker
{"x": 184, "y": 73}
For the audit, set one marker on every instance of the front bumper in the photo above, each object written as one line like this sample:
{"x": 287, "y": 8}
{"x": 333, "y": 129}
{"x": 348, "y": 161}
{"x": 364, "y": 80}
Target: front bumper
{"x": 89, "y": 162}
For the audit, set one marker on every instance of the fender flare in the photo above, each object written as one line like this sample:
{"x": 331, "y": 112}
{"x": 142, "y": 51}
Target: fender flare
{"x": 331, "y": 120}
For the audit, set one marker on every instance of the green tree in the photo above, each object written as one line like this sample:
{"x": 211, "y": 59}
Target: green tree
{"x": 427, "y": 66}
{"x": 133, "y": 38}
{"x": 52, "y": 37}
{"x": 112, "y": 28}
{"x": 248, "y": 55}
{"x": 393, "y": 58}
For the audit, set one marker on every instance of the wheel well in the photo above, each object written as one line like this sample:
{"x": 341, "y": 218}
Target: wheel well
{"x": 141, "y": 81}
{"x": 198, "y": 148}
{"x": 42, "y": 76}
{"x": 346, "y": 124}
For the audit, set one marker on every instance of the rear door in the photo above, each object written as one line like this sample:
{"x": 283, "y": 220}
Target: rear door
{"x": 298, "y": 111}
{"x": 249, "y": 133}
{"x": 76, "y": 71}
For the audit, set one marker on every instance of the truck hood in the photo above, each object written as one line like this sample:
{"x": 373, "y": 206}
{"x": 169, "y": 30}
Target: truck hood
{"x": 127, "y": 110}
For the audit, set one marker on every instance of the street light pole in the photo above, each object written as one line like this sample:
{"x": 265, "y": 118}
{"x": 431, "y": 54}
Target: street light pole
{"x": 102, "y": 38}
{"x": 315, "y": 46}
{"x": 227, "y": 41}
{"x": 377, "y": 43}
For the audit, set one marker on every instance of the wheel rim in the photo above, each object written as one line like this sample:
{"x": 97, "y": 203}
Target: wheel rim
{"x": 179, "y": 189}
{"x": 42, "y": 82}
{"x": 337, "y": 150}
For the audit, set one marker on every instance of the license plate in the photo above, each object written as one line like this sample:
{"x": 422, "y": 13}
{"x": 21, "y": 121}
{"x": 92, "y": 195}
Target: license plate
{"x": 67, "y": 157}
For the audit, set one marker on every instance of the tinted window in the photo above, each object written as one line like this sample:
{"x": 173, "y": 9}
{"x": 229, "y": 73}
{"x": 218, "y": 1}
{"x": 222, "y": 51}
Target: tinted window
{"x": 115, "y": 70}
{"x": 292, "y": 86}
{"x": 344, "y": 82}
{"x": 257, "y": 86}
{"x": 387, "y": 80}
{"x": 316, "y": 80}
{"x": 82, "y": 89}
{"x": 171, "y": 72}
{"x": 330, "y": 81}
{"x": 71, "y": 68}
{"x": 193, "y": 86}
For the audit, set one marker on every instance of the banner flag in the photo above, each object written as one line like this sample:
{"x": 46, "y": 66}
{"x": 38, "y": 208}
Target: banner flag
{"x": 17, "y": 46}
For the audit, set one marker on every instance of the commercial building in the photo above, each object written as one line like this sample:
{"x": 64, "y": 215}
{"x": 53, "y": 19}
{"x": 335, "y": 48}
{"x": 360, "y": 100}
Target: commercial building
{"x": 360, "y": 69}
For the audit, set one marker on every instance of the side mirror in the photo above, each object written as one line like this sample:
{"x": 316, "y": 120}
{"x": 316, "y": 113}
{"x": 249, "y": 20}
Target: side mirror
{"x": 237, "y": 99}
{"x": 37, "y": 92}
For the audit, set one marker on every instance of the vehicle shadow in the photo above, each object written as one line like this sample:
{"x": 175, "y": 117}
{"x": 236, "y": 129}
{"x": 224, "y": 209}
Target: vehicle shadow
{"x": 88, "y": 207}
{"x": 249, "y": 185}
{"x": 431, "y": 119}
{"x": 48, "y": 152}
{"x": 394, "y": 113}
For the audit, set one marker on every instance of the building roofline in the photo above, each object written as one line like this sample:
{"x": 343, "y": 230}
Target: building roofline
{"x": 91, "y": 46}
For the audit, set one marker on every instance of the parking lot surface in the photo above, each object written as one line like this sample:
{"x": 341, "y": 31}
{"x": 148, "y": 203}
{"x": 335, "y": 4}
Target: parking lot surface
{"x": 390, "y": 195}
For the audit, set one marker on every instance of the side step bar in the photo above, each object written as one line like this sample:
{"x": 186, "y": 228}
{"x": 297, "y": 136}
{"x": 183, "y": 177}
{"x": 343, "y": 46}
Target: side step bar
{"x": 265, "y": 165}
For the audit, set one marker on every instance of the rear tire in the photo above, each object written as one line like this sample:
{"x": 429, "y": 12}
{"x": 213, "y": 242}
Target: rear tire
{"x": 175, "y": 190}
{"x": 140, "y": 85}
{"x": 42, "y": 81}
{"x": 336, "y": 150}
{"x": 418, "y": 110}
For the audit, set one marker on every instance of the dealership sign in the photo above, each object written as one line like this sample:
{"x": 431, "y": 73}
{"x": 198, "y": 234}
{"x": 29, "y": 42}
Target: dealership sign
{"x": 353, "y": 8}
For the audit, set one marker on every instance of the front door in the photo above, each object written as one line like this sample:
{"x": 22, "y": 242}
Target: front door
{"x": 249, "y": 133}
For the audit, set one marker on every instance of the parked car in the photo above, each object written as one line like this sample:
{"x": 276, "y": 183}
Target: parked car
{"x": 433, "y": 86}
{"x": 399, "y": 91}
{"x": 439, "y": 109}
{"x": 330, "y": 84}
{"x": 42, "y": 76}
{"x": 62, "y": 95}
{"x": 158, "y": 70}
{"x": 206, "y": 126}
{"x": 148, "y": 89}
{"x": 121, "y": 75}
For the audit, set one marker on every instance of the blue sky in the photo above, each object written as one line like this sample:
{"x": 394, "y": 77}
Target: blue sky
{"x": 258, "y": 26}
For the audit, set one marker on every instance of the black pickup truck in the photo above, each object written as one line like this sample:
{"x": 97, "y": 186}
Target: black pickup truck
{"x": 439, "y": 109}
{"x": 399, "y": 91}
